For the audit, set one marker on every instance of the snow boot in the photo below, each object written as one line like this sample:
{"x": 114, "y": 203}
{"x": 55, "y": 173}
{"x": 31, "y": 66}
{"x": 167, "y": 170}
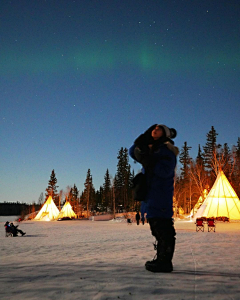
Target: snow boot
{"x": 162, "y": 261}
{"x": 164, "y": 233}
{"x": 159, "y": 266}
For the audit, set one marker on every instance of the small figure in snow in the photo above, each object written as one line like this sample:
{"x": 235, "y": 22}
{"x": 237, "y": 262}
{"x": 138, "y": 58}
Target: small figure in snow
{"x": 15, "y": 230}
{"x": 137, "y": 218}
{"x": 143, "y": 211}
{"x": 8, "y": 228}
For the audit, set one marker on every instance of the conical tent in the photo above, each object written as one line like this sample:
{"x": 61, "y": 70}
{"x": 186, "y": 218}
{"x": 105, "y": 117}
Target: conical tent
{"x": 67, "y": 211}
{"x": 199, "y": 203}
{"x": 48, "y": 212}
{"x": 222, "y": 201}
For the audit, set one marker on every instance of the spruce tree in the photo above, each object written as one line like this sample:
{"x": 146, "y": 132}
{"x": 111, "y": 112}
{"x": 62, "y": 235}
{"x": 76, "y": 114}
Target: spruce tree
{"x": 123, "y": 179}
{"x": 99, "y": 200}
{"x": 73, "y": 197}
{"x": 200, "y": 159}
{"x": 226, "y": 161}
{"x": 238, "y": 158}
{"x": 75, "y": 193}
{"x": 89, "y": 193}
{"x": 210, "y": 154}
{"x": 185, "y": 160}
{"x": 107, "y": 191}
{"x": 132, "y": 203}
{"x": 51, "y": 190}
{"x": 238, "y": 151}
{"x": 236, "y": 168}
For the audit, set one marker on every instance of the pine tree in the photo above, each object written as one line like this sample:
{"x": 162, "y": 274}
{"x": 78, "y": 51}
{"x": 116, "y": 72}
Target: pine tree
{"x": 51, "y": 190}
{"x": 75, "y": 194}
{"x": 73, "y": 197}
{"x": 226, "y": 161}
{"x": 99, "y": 200}
{"x": 200, "y": 159}
{"x": 107, "y": 191}
{"x": 89, "y": 193}
{"x": 210, "y": 154}
{"x": 133, "y": 205}
{"x": 185, "y": 160}
{"x": 123, "y": 179}
{"x": 237, "y": 153}
{"x": 236, "y": 168}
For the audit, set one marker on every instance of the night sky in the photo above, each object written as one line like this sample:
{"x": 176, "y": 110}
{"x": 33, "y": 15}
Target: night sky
{"x": 81, "y": 79}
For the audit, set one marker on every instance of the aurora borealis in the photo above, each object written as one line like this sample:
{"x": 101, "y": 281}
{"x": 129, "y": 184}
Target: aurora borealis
{"x": 80, "y": 79}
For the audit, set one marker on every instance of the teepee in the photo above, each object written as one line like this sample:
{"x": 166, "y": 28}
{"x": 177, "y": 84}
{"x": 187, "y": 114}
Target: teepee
{"x": 222, "y": 201}
{"x": 48, "y": 212}
{"x": 199, "y": 203}
{"x": 67, "y": 211}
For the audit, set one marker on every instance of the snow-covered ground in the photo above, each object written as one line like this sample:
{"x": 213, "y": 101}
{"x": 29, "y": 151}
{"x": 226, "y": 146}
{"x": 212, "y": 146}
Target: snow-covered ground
{"x": 105, "y": 260}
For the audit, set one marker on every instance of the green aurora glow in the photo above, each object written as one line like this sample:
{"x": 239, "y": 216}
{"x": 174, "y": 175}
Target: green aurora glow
{"x": 97, "y": 58}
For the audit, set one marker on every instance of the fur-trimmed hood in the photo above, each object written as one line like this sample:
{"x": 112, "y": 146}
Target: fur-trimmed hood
{"x": 173, "y": 148}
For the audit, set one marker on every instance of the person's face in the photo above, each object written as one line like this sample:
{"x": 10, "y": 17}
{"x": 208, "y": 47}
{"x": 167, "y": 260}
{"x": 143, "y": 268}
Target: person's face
{"x": 157, "y": 133}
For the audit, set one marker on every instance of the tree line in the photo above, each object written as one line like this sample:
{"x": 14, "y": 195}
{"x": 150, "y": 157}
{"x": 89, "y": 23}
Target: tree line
{"x": 18, "y": 209}
{"x": 114, "y": 195}
{"x": 193, "y": 177}
{"x": 200, "y": 173}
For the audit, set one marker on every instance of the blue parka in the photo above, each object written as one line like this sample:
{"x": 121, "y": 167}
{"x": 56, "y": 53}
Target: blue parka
{"x": 160, "y": 181}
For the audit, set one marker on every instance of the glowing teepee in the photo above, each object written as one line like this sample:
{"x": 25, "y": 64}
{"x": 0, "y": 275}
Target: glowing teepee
{"x": 48, "y": 212}
{"x": 222, "y": 201}
{"x": 67, "y": 211}
{"x": 199, "y": 203}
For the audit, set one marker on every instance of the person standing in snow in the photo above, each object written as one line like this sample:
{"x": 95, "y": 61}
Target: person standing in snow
{"x": 156, "y": 152}
{"x": 137, "y": 217}
{"x": 143, "y": 211}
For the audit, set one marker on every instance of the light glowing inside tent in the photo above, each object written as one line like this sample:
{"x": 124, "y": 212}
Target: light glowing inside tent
{"x": 222, "y": 201}
{"x": 67, "y": 211}
{"x": 48, "y": 212}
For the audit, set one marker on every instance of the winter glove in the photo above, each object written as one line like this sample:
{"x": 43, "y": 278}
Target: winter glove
{"x": 145, "y": 139}
{"x": 142, "y": 151}
{"x": 145, "y": 158}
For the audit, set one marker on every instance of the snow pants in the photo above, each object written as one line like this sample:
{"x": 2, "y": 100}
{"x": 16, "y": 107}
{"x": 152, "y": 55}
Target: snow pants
{"x": 164, "y": 232}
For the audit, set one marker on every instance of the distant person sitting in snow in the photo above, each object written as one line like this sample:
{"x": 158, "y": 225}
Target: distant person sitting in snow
{"x": 8, "y": 228}
{"x": 15, "y": 230}
{"x": 156, "y": 152}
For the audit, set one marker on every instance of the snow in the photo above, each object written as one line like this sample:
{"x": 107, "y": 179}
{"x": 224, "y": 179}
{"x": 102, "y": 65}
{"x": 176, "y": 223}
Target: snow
{"x": 94, "y": 260}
